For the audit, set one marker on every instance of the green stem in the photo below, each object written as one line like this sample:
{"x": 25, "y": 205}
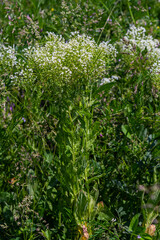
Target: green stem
{"x": 129, "y": 7}
{"x": 115, "y": 4}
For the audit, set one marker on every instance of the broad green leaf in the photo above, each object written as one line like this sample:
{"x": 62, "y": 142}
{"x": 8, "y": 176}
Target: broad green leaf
{"x": 50, "y": 205}
{"x": 134, "y": 222}
{"x": 126, "y": 131}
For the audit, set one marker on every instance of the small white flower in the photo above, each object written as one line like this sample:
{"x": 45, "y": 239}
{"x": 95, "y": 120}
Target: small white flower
{"x": 114, "y": 220}
{"x": 105, "y": 80}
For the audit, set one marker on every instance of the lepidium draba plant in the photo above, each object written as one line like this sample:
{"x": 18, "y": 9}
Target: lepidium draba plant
{"x": 56, "y": 79}
{"x": 72, "y": 64}
{"x": 62, "y": 71}
{"x": 141, "y": 53}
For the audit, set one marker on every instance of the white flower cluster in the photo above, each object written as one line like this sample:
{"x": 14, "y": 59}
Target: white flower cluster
{"x": 155, "y": 70}
{"x": 78, "y": 59}
{"x": 7, "y": 56}
{"x": 136, "y": 37}
{"x": 137, "y": 44}
{"x": 109, "y": 80}
{"x": 13, "y": 68}
{"x": 22, "y": 73}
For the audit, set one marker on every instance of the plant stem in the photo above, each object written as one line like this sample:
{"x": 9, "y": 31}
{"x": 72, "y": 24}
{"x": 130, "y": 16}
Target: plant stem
{"x": 115, "y": 4}
{"x": 129, "y": 7}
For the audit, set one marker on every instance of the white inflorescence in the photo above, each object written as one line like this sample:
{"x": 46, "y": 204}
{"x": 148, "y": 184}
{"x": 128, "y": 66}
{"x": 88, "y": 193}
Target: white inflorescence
{"x": 7, "y": 56}
{"x": 136, "y": 39}
{"x": 80, "y": 57}
{"x": 12, "y": 67}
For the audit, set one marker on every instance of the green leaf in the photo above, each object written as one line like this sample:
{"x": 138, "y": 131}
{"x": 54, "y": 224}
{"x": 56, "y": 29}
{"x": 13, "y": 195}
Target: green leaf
{"x": 105, "y": 87}
{"x": 145, "y": 236}
{"x": 95, "y": 178}
{"x": 126, "y": 131}
{"x": 50, "y": 205}
{"x": 134, "y": 222}
{"x": 46, "y": 234}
